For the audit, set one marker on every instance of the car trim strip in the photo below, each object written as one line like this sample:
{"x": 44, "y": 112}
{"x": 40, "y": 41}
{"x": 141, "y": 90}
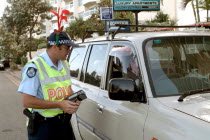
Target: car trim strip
{"x": 92, "y": 129}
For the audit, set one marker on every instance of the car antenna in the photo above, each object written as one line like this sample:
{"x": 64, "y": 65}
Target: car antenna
{"x": 118, "y": 29}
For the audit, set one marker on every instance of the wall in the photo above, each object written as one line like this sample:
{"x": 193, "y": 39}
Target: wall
{"x": 168, "y": 7}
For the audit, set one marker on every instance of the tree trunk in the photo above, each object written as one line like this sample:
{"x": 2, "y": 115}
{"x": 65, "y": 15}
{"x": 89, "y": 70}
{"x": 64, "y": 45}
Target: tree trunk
{"x": 197, "y": 9}
{"x": 207, "y": 11}
{"x": 193, "y": 6}
{"x": 30, "y": 46}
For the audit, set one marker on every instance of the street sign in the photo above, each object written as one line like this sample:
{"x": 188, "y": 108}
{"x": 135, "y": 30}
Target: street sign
{"x": 106, "y": 13}
{"x": 136, "y": 5}
{"x": 111, "y": 23}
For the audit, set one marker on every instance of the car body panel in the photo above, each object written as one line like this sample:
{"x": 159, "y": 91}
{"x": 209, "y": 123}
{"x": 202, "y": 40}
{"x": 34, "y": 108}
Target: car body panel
{"x": 166, "y": 123}
{"x": 162, "y": 118}
{"x": 196, "y": 105}
{"x": 87, "y": 115}
{"x": 121, "y": 119}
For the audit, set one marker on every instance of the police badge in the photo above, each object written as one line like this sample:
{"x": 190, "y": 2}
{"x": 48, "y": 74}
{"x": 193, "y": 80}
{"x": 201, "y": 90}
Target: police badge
{"x": 31, "y": 72}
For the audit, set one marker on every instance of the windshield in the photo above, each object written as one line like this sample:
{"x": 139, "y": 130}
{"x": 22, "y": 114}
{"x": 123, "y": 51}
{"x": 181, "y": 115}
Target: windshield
{"x": 178, "y": 64}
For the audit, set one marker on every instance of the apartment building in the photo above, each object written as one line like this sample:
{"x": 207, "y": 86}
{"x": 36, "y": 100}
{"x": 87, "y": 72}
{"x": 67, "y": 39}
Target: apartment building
{"x": 78, "y": 8}
{"x": 85, "y": 8}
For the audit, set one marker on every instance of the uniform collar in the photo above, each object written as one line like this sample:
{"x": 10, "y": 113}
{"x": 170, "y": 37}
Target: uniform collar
{"x": 47, "y": 59}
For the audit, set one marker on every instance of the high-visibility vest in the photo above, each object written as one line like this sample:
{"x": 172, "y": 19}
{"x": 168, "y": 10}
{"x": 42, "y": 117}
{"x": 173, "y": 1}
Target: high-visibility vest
{"x": 55, "y": 85}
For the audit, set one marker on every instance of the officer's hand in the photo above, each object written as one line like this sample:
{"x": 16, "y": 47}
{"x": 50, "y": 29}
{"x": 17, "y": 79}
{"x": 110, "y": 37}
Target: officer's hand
{"x": 78, "y": 102}
{"x": 69, "y": 106}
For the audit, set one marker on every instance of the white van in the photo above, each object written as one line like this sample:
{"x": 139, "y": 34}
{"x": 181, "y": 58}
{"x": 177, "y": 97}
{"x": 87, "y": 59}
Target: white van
{"x": 143, "y": 86}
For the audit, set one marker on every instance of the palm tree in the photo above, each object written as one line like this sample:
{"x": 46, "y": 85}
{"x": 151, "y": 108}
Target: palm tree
{"x": 205, "y": 5}
{"x": 184, "y": 4}
{"x": 197, "y": 8}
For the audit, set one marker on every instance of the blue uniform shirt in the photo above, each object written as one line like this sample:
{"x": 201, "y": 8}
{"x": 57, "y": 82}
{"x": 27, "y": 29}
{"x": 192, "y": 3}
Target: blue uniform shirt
{"x": 31, "y": 84}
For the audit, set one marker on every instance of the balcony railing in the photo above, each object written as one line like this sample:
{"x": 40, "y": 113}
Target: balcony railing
{"x": 54, "y": 18}
{"x": 81, "y": 15}
{"x": 85, "y": 2}
{"x": 68, "y": 1}
{"x": 53, "y": 3}
{"x": 70, "y": 7}
{"x": 88, "y": 13}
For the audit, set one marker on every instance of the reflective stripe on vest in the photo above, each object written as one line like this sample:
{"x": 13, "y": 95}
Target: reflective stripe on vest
{"x": 55, "y": 85}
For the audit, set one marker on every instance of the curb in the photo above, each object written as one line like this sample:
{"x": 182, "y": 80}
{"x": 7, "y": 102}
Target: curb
{"x": 11, "y": 73}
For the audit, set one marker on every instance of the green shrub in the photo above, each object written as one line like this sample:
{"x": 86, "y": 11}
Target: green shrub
{"x": 13, "y": 66}
{"x": 18, "y": 60}
{"x": 24, "y": 60}
{"x": 42, "y": 45}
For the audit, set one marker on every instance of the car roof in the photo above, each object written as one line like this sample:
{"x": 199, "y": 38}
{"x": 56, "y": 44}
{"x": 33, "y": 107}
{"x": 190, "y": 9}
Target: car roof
{"x": 145, "y": 35}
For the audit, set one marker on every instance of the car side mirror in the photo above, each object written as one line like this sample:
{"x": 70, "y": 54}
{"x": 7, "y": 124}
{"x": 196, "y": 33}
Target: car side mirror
{"x": 121, "y": 89}
{"x": 126, "y": 90}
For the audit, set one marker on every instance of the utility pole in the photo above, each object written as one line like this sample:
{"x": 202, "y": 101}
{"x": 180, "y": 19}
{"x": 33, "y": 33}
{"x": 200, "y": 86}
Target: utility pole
{"x": 136, "y": 18}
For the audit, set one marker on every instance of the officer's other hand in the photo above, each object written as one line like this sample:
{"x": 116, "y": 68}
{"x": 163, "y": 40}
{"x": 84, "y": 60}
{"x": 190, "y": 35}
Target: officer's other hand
{"x": 69, "y": 106}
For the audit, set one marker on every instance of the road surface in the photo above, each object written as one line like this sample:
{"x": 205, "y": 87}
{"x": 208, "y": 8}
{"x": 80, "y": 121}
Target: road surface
{"x": 12, "y": 121}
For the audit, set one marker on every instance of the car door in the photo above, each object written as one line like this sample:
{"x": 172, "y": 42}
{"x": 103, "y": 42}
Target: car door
{"x": 89, "y": 81}
{"x": 121, "y": 120}
{"x": 78, "y": 61}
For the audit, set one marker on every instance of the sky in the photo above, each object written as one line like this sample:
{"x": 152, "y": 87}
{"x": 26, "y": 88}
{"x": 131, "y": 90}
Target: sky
{"x": 3, "y": 4}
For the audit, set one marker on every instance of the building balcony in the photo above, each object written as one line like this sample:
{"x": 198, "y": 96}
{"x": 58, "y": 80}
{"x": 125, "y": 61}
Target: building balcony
{"x": 70, "y": 7}
{"x": 88, "y": 13}
{"x": 43, "y": 35}
{"x": 66, "y": 1}
{"x": 53, "y": 4}
{"x": 88, "y": 3}
{"x": 54, "y": 19}
{"x": 54, "y": 26}
{"x": 71, "y": 20}
{"x": 66, "y": 25}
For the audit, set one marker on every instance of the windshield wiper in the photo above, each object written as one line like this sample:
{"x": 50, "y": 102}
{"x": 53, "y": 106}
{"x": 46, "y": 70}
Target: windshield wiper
{"x": 191, "y": 92}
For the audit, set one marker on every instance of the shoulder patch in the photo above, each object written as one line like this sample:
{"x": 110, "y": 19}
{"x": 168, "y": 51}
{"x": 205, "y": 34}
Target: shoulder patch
{"x": 31, "y": 72}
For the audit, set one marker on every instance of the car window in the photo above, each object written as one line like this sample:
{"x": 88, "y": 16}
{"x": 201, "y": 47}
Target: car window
{"x": 178, "y": 64}
{"x": 123, "y": 63}
{"x": 95, "y": 64}
{"x": 75, "y": 60}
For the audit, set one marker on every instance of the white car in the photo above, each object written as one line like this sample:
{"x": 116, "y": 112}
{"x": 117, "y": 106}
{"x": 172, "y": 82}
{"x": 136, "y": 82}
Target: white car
{"x": 1, "y": 65}
{"x": 143, "y": 86}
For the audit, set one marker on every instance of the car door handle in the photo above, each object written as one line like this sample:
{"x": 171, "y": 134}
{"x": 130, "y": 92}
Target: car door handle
{"x": 100, "y": 108}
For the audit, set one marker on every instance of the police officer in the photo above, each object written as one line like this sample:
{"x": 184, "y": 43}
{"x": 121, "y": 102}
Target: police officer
{"x": 45, "y": 85}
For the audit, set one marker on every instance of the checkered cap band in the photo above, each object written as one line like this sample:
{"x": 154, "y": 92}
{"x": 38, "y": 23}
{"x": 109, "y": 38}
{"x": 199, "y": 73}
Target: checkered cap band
{"x": 59, "y": 42}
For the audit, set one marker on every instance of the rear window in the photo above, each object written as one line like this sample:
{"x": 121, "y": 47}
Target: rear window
{"x": 95, "y": 64}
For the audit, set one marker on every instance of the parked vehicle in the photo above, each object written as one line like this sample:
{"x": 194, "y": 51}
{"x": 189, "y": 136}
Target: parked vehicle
{"x": 143, "y": 86}
{"x": 1, "y": 65}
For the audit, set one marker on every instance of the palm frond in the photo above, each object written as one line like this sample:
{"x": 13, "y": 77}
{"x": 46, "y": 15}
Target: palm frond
{"x": 184, "y": 3}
